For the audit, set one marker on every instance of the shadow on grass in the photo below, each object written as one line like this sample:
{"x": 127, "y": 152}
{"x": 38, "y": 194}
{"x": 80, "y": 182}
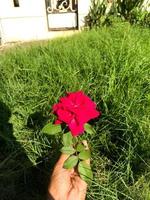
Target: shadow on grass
{"x": 15, "y": 167}
{"x": 12, "y": 158}
{"x": 19, "y": 179}
{"x": 47, "y": 160}
{"x": 36, "y": 122}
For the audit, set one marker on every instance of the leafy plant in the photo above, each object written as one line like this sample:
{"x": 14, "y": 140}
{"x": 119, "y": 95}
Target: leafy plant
{"x": 103, "y": 13}
{"x": 124, "y": 7}
{"x": 74, "y": 110}
{"x": 140, "y": 17}
{"x": 97, "y": 16}
{"x": 77, "y": 151}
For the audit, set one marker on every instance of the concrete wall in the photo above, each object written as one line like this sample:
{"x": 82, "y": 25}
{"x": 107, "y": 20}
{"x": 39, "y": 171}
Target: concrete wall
{"x": 23, "y": 23}
{"x": 83, "y": 10}
{"x": 29, "y": 21}
{"x": 146, "y": 5}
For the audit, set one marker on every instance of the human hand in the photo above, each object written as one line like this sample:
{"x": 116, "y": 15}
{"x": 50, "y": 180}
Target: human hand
{"x": 66, "y": 184}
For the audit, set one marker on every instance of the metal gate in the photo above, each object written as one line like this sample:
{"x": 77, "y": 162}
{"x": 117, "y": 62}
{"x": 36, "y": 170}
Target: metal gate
{"x": 62, "y": 14}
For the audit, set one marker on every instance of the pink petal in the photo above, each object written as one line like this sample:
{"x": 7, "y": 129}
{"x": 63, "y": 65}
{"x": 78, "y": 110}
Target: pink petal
{"x": 76, "y": 128}
{"x": 64, "y": 115}
{"x": 76, "y": 96}
{"x": 89, "y": 103}
{"x": 84, "y": 115}
{"x": 56, "y": 106}
{"x": 58, "y": 121}
{"x": 67, "y": 103}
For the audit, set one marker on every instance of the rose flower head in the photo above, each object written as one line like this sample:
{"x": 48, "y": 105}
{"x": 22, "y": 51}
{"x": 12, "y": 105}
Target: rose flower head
{"x": 75, "y": 110}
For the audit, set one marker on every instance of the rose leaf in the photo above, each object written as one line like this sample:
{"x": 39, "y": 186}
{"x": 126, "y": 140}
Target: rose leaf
{"x": 84, "y": 155}
{"x": 51, "y": 129}
{"x": 85, "y": 171}
{"x": 80, "y": 147}
{"x": 67, "y": 139}
{"x": 71, "y": 162}
{"x": 75, "y": 140}
{"x": 89, "y": 129}
{"x": 68, "y": 150}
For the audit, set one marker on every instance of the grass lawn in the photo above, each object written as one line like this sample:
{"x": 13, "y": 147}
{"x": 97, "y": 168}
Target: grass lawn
{"x": 112, "y": 66}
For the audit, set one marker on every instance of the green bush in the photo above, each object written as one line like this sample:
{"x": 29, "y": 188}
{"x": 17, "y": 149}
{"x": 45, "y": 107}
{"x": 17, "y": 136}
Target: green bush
{"x": 97, "y": 16}
{"x": 137, "y": 16}
{"x": 126, "y": 10}
{"x": 125, "y": 7}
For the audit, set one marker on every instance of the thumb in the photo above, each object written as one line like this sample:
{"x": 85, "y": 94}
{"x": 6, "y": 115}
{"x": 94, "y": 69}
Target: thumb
{"x": 86, "y": 148}
{"x": 62, "y": 159}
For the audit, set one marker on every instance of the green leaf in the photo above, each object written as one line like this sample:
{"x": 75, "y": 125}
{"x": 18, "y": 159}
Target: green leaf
{"x": 67, "y": 139}
{"x": 85, "y": 171}
{"x": 84, "y": 155}
{"x": 51, "y": 129}
{"x": 75, "y": 140}
{"x": 71, "y": 162}
{"x": 80, "y": 147}
{"x": 89, "y": 129}
{"x": 68, "y": 150}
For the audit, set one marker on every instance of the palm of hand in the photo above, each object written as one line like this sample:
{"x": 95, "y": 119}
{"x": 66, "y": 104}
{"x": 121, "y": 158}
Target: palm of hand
{"x": 66, "y": 184}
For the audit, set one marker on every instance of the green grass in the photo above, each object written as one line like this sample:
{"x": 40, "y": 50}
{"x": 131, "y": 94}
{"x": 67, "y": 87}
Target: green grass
{"x": 112, "y": 66}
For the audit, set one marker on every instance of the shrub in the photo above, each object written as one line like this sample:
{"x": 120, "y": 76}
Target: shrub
{"x": 137, "y": 16}
{"x": 98, "y": 15}
{"x": 125, "y": 7}
{"x": 103, "y": 13}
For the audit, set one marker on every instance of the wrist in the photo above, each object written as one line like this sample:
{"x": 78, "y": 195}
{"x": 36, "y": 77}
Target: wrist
{"x": 52, "y": 195}
{"x": 49, "y": 197}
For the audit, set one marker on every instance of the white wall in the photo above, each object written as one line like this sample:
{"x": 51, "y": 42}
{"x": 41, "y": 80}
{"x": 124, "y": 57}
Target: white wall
{"x": 25, "y": 22}
{"x": 27, "y": 8}
{"x": 29, "y": 21}
{"x": 146, "y": 5}
{"x": 83, "y": 10}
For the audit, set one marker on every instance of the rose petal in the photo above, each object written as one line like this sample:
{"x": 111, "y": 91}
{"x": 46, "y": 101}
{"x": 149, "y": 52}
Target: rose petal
{"x": 84, "y": 115}
{"x": 57, "y": 106}
{"x": 75, "y": 110}
{"x": 76, "y": 128}
{"x": 57, "y": 121}
{"x": 64, "y": 115}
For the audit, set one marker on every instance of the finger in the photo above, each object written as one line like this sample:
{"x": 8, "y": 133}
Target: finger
{"x": 60, "y": 163}
{"x": 62, "y": 159}
{"x": 80, "y": 186}
{"x": 85, "y": 144}
{"x": 87, "y": 148}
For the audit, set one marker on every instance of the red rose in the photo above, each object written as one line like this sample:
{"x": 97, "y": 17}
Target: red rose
{"x": 75, "y": 110}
